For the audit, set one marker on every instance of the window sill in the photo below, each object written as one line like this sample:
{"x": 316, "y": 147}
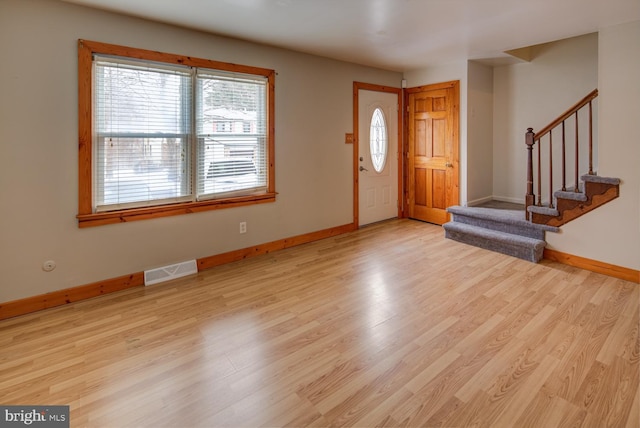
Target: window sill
{"x": 124, "y": 216}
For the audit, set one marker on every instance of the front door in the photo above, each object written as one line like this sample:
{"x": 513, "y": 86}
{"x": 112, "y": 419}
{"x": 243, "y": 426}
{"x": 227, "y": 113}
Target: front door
{"x": 377, "y": 155}
{"x": 432, "y": 163}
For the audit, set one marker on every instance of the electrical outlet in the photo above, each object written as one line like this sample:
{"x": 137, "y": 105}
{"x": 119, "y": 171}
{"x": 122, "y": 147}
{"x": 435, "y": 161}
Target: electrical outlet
{"x": 243, "y": 227}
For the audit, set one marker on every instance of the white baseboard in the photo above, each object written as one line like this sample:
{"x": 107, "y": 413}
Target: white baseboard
{"x": 479, "y": 201}
{"x": 507, "y": 199}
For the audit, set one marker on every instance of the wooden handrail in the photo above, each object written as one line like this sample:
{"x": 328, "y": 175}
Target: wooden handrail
{"x": 583, "y": 102}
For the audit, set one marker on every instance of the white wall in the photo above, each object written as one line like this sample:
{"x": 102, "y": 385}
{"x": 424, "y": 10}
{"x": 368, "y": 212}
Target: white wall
{"x": 611, "y": 233}
{"x": 39, "y": 137}
{"x": 479, "y": 133}
{"x": 532, "y": 94}
{"x": 446, "y": 73}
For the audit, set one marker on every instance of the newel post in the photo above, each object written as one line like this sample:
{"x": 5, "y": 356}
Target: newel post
{"x": 530, "y": 198}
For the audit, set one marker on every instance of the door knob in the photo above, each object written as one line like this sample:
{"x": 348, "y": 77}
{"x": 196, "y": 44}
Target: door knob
{"x": 363, "y": 168}
{"x": 448, "y": 165}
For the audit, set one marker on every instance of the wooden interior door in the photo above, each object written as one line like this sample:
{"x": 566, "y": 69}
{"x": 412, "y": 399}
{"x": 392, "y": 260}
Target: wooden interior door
{"x": 432, "y": 158}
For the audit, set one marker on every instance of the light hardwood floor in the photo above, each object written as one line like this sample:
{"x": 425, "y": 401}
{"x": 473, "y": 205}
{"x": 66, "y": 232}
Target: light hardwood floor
{"x": 391, "y": 325}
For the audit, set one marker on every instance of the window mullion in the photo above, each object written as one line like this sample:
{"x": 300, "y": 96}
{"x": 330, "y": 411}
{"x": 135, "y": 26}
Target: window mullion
{"x": 194, "y": 153}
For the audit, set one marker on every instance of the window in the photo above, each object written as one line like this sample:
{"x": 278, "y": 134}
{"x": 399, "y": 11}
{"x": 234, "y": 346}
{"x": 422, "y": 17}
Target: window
{"x": 163, "y": 134}
{"x": 378, "y": 140}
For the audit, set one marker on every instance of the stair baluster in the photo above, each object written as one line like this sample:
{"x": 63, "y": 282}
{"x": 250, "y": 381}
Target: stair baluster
{"x": 590, "y": 139}
{"x": 530, "y": 198}
{"x": 550, "y": 170}
{"x": 539, "y": 176}
{"x": 564, "y": 161}
{"x": 577, "y": 188}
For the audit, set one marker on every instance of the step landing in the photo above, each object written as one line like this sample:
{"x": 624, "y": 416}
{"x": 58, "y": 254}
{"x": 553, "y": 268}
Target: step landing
{"x": 501, "y": 230}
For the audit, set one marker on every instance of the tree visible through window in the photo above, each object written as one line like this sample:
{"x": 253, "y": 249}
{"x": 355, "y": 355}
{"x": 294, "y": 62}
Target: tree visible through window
{"x": 161, "y": 129}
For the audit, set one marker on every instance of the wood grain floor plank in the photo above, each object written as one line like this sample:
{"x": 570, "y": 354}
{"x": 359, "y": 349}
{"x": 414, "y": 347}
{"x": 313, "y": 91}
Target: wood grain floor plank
{"x": 634, "y": 414}
{"x": 614, "y": 399}
{"x": 562, "y": 414}
{"x": 379, "y": 415}
{"x": 390, "y": 325}
{"x": 520, "y": 399}
{"x": 487, "y": 374}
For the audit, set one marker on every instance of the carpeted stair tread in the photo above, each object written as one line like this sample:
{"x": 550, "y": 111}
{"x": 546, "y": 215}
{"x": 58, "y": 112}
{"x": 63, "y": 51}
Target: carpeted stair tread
{"x": 523, "y": 247}
{"x": 574, "y": 196}
{"x": 543, "y": 210}
{"x": 510, "y": 221}
{"x": 599, "y": 179}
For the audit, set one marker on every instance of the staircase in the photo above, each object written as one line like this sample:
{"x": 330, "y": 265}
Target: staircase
{"x": 521, "y": 232}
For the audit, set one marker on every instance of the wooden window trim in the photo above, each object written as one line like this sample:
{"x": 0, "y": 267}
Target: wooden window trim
{"x": 86, "y": 217}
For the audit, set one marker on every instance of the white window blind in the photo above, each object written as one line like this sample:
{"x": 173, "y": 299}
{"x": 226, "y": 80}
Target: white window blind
{"x": 142, "y": 124}
{"x": 231, "y": 132}
{"x": 165, "y": 134}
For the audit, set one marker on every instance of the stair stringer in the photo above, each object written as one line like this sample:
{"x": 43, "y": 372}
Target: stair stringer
{"x": 597, "y": 192}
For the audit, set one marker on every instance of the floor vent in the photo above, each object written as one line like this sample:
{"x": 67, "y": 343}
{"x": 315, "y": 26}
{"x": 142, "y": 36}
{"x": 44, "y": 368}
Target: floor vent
{"x": 167, "y": 273}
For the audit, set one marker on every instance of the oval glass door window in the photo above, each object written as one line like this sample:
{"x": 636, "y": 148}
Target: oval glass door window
{"x": 378, "y": 140}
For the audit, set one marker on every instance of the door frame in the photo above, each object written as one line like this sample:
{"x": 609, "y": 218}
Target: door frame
{"x": 455, "y": 194}
{"x": 356, "y": 146}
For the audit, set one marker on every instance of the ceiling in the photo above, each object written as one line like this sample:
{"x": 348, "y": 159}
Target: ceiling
{"x": 399, "y": 35}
